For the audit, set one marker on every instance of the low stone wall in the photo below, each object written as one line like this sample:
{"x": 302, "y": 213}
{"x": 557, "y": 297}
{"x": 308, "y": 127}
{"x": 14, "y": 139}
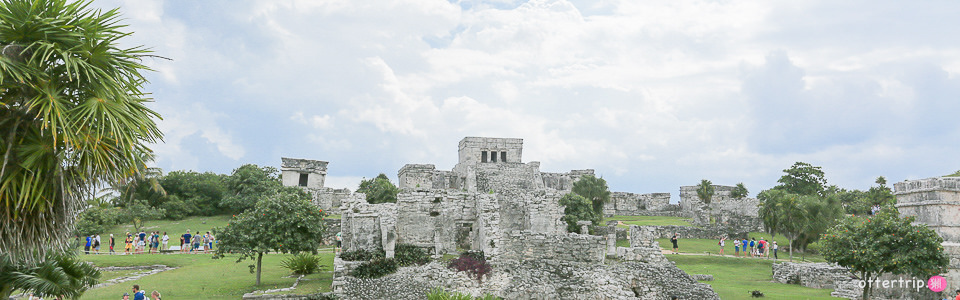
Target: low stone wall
{"x": 524, "y": 245}
{"x": 690, "y": 232}
{"x": 537, "y": 279}
{"x": 818, "y": 276}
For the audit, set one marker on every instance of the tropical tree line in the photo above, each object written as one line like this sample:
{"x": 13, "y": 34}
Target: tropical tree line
{"x": 177, "y": 195}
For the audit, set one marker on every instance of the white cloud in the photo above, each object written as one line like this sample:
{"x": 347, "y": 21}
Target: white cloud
{"x": 653, "y": 94}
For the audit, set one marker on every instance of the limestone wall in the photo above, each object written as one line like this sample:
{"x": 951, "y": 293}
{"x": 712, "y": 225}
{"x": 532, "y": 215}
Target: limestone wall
{"x": 368, "y": 226}
{"x": 328, "y": 198}
{"x": 502, "y": 177}
{"x": 630, "y": 204}
{"x": 933, "y": 201}
{"x": 572, "y": 247}
{"x": 818, "y": 276}
{"x": 562, "y": 181}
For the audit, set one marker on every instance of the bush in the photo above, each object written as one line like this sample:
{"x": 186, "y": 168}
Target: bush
{"x": 302, "y": 263}
{"x": 362, "y": 255}
{"x": 375, "y": 268}
{"x": 469, "y": 263}
{"x": 756, "y": 294}
{"x": 407, "y": 255}
{"x": 177, "y": 209}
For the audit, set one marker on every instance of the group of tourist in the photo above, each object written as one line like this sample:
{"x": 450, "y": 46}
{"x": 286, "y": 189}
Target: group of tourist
{"x": 196, "y": 242}
{"x": 752, "y": 247}
{"x": 140, "y": 294}
{"x": 152, "y": 242}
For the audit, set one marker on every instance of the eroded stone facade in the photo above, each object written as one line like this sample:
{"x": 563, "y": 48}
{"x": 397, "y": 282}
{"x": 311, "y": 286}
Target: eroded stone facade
{"x": 936, "y": 203}
{"x": 739, "y": 214}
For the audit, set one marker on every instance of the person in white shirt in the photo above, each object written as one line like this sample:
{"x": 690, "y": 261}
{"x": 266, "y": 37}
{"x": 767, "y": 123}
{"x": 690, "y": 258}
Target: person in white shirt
{"x": 164, "y": 239}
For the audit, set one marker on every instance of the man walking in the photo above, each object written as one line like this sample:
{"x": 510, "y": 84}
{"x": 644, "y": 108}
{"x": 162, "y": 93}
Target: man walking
{"x": 86, "y": 248}
{"x": 736, "y": 247}
{"x": 113, "y": 242}
{"x": 186, "y": 241}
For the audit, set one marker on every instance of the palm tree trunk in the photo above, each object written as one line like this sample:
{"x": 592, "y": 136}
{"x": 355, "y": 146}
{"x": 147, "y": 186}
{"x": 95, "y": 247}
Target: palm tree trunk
{"x": 259, "y": 260}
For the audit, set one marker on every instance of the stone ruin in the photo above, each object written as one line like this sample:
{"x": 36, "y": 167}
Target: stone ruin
{"x": 936, "y": 203}
{"x": 310, "y": 175}
{"x": 492, "y": 201}
{"x": 734, "y": 214}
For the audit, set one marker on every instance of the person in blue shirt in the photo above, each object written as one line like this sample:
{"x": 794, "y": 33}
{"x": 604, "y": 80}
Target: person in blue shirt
{"x": 137, "y": 293}
{"x": 86, "y": 248}
{"x": 186, "y": 240}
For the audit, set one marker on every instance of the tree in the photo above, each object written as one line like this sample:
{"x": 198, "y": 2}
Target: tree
{"x": 800, "y": 218}
{"x": 72, "y": 114}
{"x": 884, "y": 243}
{"x": 286, "y": 222}
{"x": 379, "y": 190}
{"x": 577, "y": 208}
{"x": 594, "y": 189}
{"x": 200, "y": 193}
{"x": 248, "y": 184}
{"x": 858, "y": 202}
{"x": 58, "y": 274}
{"x": 740, "y": 191}
{"x": 781, "y": 214}
{"x": 705, "y": 191}
{"x": 803, "y": 179}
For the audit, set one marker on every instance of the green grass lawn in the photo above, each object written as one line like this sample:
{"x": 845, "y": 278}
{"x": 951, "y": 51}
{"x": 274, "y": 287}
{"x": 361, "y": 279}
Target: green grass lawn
{"x": 710, "y": 247}
{"x": 734, "y": 278}
{"x": 198, "y": 276}
{"x": 648, "y": 221}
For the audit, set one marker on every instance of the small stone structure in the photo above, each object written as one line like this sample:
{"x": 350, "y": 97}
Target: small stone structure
{"x": 310, "y": 175}
{"x": 819, "y": 276}
{"x": 723, "y": 210}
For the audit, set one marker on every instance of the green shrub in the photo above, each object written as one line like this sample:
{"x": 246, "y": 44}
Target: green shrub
{"x": 302, "y": 263}
{"x": 375, "y": 268}
{"x": 362, "y": 255}
{"x": 408, "y": 255}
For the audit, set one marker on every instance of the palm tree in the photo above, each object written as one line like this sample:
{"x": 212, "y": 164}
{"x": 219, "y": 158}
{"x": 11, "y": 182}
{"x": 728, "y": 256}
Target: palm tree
{"x": 59, "y": 275}
{"x": 705, "y": 191}
{"x": 72, "y": 114}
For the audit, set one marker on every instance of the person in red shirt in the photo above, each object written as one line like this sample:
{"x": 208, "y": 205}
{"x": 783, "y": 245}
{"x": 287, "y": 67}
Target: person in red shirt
{"x": 958, "y": 295}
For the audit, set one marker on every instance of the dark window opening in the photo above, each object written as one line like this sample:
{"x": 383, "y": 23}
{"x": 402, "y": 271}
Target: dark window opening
{"x": 303, "y": 179}
{"x": 493, "y": 156}
{"x": 503, "y": 156}
{"x": 483, "y": 156}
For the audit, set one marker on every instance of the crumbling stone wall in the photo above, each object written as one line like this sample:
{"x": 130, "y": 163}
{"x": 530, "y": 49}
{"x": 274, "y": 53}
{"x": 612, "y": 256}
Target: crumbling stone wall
{"x": 818, "y": 276}
{"x": 536, "y": 279}
{"x": 630, "y": 204}
{"x": 562, "y": 181}
{"x": 526, "y": 245}
{"x": 742, "y": 214}
{"x": 643, "y": 246}
{"x": 368, "y": 226}
{"x": 328, "y": 198}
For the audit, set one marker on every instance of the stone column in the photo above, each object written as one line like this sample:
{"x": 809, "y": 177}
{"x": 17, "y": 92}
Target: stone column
{"x": 612, "y": 238}
{"x": 584, "y": 227}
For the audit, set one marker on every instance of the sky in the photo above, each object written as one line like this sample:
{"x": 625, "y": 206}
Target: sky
{"x": 652, "y": 95}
